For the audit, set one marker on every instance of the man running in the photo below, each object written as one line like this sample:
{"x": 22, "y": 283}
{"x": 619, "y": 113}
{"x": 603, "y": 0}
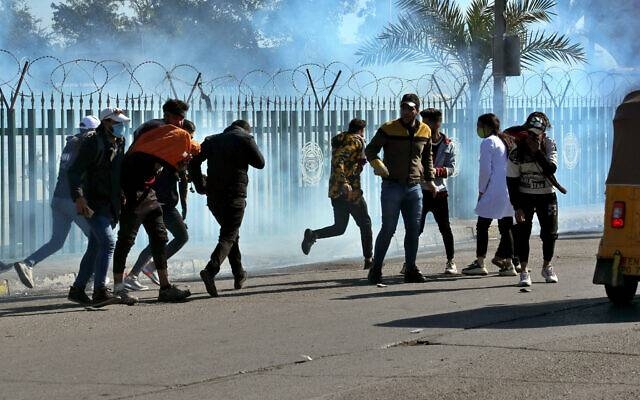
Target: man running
{"x": 347, "y": 160}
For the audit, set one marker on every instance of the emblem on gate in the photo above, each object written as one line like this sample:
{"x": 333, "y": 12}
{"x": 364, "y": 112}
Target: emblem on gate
{"x": 570, "y": 151}
{"x": 312, "y": 164}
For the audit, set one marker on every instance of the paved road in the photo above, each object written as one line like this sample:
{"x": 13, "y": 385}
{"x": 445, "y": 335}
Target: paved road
{"x": 321, "y": 332}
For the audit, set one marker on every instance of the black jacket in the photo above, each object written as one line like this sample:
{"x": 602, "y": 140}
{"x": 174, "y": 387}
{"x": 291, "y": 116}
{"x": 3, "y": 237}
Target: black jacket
{"x": 228, "y": 157}
{"x": 95, "y": 173}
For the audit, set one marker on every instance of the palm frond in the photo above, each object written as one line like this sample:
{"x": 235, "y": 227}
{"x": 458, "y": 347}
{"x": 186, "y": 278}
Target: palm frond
{"x": 539, "y": 47}
{"x": 442, "y": 19}
{"x": 521, "y": 13}
{"x": 405, "y": 40}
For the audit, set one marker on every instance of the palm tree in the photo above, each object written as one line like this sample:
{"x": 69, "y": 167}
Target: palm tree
{"x": 440, "y": 33}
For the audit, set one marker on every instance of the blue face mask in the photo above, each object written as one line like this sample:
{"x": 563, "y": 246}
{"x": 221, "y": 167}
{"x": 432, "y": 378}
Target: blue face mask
{"x": 117, "y": 130}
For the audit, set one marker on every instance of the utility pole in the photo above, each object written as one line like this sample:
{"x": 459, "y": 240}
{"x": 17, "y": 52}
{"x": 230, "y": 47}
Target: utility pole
{"x": 499, "y": 58}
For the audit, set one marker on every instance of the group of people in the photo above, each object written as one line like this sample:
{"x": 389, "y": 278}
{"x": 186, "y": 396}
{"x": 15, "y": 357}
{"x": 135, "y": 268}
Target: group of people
{"x": 101, "y": 186}
{"x": 516, "y": 180}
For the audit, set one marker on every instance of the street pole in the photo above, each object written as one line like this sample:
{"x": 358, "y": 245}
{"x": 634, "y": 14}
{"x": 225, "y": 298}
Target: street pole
{"x": 498, "y": 58}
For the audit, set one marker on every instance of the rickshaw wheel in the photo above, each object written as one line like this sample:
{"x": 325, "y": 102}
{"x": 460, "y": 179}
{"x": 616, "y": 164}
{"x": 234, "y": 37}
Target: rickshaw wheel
{"x": 622, "y": 295}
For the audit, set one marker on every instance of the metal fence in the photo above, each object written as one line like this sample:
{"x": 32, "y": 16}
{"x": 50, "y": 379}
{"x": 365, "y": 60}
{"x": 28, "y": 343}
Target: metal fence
{"x": 294, "y": 134}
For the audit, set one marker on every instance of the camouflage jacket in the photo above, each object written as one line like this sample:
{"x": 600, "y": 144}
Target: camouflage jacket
{"x": 347, "y": 160}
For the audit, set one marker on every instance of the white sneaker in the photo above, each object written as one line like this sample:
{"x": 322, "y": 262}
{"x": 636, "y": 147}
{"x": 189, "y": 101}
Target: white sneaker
{"x": 451, "y": 268}
{"x": 475, "y": 268}
{"x": 150, "y": 271}
{"x": 25, "y": 273}
{"x": 508, "y": 270}
{"x": 132, "y": 283}
{"x": 525, "y": 279}
{"x": 548, "y": 275}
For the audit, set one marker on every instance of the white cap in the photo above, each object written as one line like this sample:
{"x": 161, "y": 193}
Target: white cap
{"x": 114, "y": 114}
{"x": 89, "y": 122}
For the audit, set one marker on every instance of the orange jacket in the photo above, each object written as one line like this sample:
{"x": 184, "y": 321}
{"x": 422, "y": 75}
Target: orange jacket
{"x": 169, "y": 143}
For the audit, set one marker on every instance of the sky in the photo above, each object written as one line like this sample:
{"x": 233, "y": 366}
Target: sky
{"x": 349, "y": 34}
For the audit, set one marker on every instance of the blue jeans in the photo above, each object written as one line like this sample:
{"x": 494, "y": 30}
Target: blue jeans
{"x": 99, "y": 252}
{"x": 397, "y": 198}
{"x": 63, "y": 214}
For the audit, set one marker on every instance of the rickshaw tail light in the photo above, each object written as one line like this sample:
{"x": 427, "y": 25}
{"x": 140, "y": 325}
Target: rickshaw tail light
{"x": 617, "y": 217}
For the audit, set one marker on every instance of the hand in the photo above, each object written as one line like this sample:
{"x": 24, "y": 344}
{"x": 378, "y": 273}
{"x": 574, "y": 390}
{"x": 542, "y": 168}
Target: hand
{"x": 429, "y": 186}
{"x": 82, "y": 207}
{"x": 379, "y": 168}
{"x": 440, "y": 172}
{"x": 346, "y": 189}
{"x": 520, "y": 217}
{"x": 534, "y": 144}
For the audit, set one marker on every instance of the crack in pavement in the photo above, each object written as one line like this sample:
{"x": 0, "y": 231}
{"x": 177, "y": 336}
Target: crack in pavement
{"x": 275, "y": 367}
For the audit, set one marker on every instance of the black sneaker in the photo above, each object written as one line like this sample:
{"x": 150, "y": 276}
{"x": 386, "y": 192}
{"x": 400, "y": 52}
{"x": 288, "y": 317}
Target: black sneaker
{"x": 78, "y": 295}
{"x": 308, "y": 241}
{"x": 238, "y": 281}
{"x": 209, "y": 282}
{"x": 368, "y": 264}
{"x": 173, "y": 294}
{"x": 413, "y": 275}
{"x": 103, "y": 297}
{"x": 375, "y": 276}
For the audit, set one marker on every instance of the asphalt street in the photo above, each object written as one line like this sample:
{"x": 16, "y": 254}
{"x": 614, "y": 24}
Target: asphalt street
{"x": 321, "y": 332}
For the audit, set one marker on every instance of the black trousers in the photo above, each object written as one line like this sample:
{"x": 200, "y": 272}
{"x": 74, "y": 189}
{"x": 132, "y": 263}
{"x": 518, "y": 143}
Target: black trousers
{"x": 505, "y": 248}
{"x": 175, "y": 225}
{"x": 439, "y": 206}
{"x": 545, "y": 206}
{"x": 342, "y": 210}
{"x": 148, "y": 213}
{"x": 229, "y": 214}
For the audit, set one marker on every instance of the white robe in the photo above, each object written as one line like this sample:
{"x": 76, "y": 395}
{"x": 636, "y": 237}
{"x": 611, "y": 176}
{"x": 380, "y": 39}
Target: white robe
{"x": 492, "y": 181}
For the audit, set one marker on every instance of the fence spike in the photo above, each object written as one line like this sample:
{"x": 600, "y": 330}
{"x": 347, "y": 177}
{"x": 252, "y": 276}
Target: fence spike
{"x": 42, "y": 99}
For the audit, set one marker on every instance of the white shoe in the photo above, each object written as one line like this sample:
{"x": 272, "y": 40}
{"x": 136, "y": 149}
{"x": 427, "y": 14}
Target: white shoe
{"x": 132, "y": 283}
{"x": 25, "y": 273}
{"x": 548, "y": 275}
{"x": 508, "y": 270}
{"x": 475, "y": 268}
{"x": 525, "y": 279}
{"x": 451, "y": 268}
{"x": 150, "y": 271}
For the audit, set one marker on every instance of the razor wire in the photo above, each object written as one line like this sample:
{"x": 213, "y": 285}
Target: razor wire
{"x": 84, "y": 77}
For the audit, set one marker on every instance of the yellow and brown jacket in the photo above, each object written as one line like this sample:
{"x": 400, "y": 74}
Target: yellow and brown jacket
{"x": 403, "y": 152}
{"x": 347, "y": 160}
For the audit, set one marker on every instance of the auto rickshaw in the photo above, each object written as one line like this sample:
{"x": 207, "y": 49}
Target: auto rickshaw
{"x": 618, "y": 260}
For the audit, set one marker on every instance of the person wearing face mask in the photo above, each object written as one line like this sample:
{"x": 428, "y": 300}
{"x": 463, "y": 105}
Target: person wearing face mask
{"x": 403, "y": 170}
{"x": 163, "y": 147}
{"x": 493, "y": 197}
{"x": 94, "y": 184}
{"x": 63, "y": 209}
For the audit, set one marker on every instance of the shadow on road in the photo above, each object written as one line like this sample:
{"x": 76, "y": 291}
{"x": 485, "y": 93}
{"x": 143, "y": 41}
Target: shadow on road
{"x": 522, "y": 316}
{"x": 41, "y": 310}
